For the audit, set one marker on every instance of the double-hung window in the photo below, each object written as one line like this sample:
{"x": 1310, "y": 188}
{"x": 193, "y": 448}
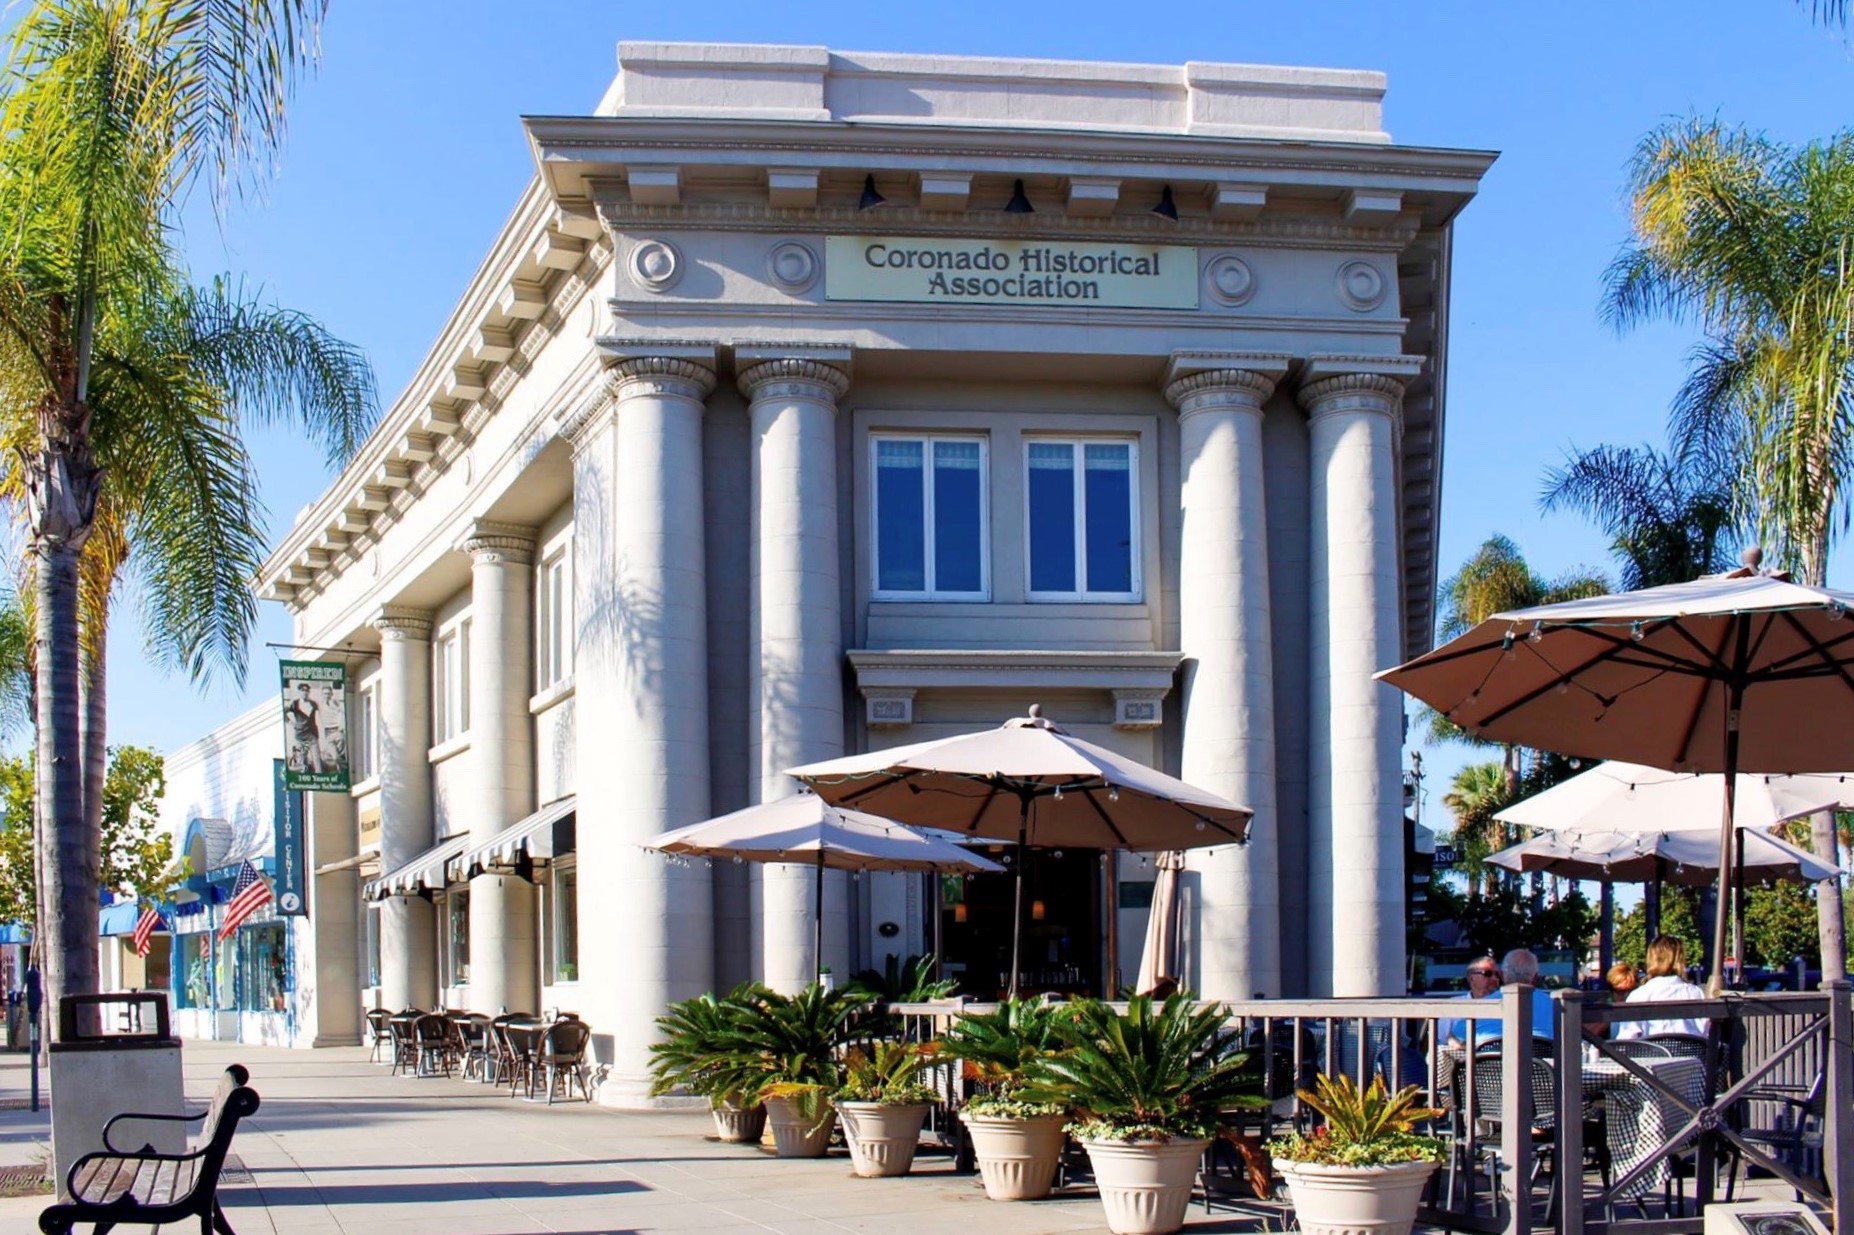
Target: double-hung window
{"x": 366, "y": 747}
{"x": 1082, "y": 500}
{"x": 553, "y": 622}
{"x": 450, "y": 683}
{"x": 930, "y": 517}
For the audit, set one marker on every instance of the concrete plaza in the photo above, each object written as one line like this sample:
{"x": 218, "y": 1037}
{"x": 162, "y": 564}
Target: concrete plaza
{"x": 341, "y": 1146}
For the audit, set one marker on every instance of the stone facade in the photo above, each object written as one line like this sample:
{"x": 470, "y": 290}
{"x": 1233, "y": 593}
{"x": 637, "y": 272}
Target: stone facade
{"x": 620, "y": 537}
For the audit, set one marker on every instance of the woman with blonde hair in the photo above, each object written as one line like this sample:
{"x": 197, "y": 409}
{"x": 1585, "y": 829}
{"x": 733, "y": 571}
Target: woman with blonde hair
{"x": 1667, "y": 968}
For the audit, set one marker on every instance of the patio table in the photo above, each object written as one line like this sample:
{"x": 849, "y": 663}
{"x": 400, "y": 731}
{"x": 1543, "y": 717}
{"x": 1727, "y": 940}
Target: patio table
{"x": 1640, "y": 1119}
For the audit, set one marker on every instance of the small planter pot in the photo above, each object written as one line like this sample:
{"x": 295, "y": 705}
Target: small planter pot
{"x": 1017, "y": 1158}
{"x": 882, "y": 1139}
{"x": 1145, "y": 1185}
{"x": 1356, "y": 1200}
{"x": 793, "y": 1135}
{"x": 738, "y": 1125}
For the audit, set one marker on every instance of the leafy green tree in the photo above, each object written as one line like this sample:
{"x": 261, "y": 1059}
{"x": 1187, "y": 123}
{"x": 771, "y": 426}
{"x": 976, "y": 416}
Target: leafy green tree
{"x": 137, "y": 856}
{"x": 1668, "y": 517}
{"x": 1503, "y": 918}
{"x": 1680, "y": 917}
{"x": 1780, "y": 925}
{"x": 1753, "y": 241}
{"x": 125, "y": 386}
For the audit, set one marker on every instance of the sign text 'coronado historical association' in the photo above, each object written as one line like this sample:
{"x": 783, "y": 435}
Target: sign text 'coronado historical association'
{"x": 1036, "y": 272}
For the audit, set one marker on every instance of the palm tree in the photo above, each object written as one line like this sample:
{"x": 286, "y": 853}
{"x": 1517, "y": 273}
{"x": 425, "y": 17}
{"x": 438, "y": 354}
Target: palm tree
{"x": 1478, "y": 792}
{"x": 124, "y": 387}
{"x": 1753, "y": 241}
{"x": 1668, "y": 517}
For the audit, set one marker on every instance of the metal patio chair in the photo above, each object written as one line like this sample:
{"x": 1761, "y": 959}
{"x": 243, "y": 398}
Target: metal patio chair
{"x": 563, "y": 1058}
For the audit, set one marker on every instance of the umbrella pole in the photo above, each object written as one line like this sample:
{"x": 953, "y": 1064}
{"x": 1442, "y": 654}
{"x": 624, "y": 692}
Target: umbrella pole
{"x": 1606, "y": 928}
{"x": 1738, "y": 902}
{"x": 1715, "y": 986}
{"x": 817, "y": 916}
{"x": 1017, "y": 903}
{"x": 1110, "y": 910}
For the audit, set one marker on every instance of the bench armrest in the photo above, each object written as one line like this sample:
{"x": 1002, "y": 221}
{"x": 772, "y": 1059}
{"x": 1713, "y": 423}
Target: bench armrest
{"x": 114, "y": 1149}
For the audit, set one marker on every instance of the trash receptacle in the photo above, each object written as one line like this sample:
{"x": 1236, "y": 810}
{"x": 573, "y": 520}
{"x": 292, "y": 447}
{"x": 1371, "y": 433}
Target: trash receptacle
{"x": 97, "y": 1074}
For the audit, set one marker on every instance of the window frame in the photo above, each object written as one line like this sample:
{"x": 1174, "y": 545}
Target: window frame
{"x": 553, "y": 618}
{"x": 927, "y": 438}
{"x": 1079, "y": 505}
{"x": 366, "y": 726}
{"x": 559, "y": 923}
{"x": 456, "y": 967}
{"x": 450, "y": 723}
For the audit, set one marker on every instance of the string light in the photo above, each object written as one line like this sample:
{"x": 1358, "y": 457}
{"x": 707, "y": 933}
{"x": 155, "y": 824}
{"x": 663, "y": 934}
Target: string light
{"x": 1564, "y": 688}
{"x": 1113, "y": 793}
{"x": 1635, "y": 631}
{"x": 1058, "y": 793}
{"x": 1538, "y": 633}
{"x": 1506, "y": 647}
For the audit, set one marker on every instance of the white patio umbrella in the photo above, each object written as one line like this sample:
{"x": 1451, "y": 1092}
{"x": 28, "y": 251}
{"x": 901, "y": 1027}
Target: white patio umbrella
{"x": 1033, "y": 778}
{"x": 803, "y": 829}
{"x": 1633, "y": 797}
{"x": 1743, "y": 672}
{"x": 1687, "y": 857}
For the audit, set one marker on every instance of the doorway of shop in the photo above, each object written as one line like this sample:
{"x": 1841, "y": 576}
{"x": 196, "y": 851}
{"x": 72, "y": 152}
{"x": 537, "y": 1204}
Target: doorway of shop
{"x": 1063, "y": 932}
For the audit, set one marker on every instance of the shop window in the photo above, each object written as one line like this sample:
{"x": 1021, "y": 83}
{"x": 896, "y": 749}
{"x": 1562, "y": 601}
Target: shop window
{"x": 1082, "y": 503}
{"x": 457, "y": 938}
{"x": 373, "y": 946}
{"x": 193, "y": 970}
{"x": 553, "y": 622}
{"x": 225, "y": 974}
{"x": 930, "y": 517}
{"x": 450, "y": 683}
{"x": 262, "y": 967}
{"x": 565, "y": 903}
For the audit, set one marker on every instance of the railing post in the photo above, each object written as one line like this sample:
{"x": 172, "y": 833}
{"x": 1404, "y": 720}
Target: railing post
{"x": 1515, "y": 1106}
{"x": 1568, "y": 1172}
{"x": 1838, "y": 1135}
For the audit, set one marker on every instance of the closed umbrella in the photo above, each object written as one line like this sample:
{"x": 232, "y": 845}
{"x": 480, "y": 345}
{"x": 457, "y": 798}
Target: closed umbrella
{"x": 1158, "y": 960}
{"x": 1685, "y": 857}
{"x": 804, "y": 829}
{"x": 1033, "y": 778}
{"x": 1716, "y": 675}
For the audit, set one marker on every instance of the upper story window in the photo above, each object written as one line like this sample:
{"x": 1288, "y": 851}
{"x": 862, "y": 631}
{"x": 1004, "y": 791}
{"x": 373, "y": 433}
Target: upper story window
{"x": 931, "y": 522}
{"x": 365, "y": 750}
{"x": 553, "y": 621}
{"x": 450, "y": 683}
{"x": 1081, "y": 499}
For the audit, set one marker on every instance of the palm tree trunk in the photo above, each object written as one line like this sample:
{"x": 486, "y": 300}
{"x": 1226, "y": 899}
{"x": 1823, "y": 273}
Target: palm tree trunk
{"x": 96, "y": 737}
{"x": 70, "y": 910}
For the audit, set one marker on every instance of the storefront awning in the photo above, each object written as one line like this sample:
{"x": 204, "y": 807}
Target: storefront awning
{"x": 119, "y": 918}
{"x": 424, "y": 871}
{"x": 532, "y": 836}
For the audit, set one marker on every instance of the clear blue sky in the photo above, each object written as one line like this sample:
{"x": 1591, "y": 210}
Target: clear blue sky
{"x": 406, "y": 155}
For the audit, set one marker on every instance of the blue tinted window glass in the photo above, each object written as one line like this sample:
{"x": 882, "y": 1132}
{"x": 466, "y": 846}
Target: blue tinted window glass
{"x": 901, "y": 517}
{"x": 957, "y": 534}
{"x": 1107, "y": 479}
{"x": 1052, "y": 517}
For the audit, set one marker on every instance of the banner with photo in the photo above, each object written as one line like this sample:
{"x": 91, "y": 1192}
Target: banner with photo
{"x": 315, "y": 746}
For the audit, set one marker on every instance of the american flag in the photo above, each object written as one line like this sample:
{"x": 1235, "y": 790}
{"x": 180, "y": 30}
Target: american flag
{"x": 249, "y": 894}
{"x": 145, "y": 927}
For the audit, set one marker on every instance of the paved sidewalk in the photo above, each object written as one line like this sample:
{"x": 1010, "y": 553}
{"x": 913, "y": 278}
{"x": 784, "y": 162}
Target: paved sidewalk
{"x": 340, "y": 1146}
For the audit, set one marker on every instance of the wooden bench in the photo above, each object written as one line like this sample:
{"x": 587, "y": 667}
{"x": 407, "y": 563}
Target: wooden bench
{"x": 144, "y": 1187}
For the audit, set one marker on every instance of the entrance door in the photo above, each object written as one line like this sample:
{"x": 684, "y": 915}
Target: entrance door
{"x": 1062, "y": 942}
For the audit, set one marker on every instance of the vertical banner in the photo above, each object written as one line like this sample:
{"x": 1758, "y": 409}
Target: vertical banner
{"x": 287, "y": 822}
{"x": 315, "y": 701}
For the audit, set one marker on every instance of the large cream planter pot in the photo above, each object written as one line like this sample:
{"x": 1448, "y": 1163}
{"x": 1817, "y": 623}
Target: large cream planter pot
{"x": 1356, "y": 1200}
{"x": 739, "y": 1125}
{"x": 794, "y": 1136}
{"x": 1145, "y": 1185}
{"x": 882, "y": 1139}
{"x": 1017, "y": 1158}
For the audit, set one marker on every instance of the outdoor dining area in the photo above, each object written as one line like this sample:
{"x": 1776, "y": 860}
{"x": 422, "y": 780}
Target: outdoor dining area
{"x": 542, "y": 1058}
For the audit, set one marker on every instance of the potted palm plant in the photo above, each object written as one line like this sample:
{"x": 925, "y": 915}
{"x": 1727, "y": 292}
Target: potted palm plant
{"x": 791, "y": 1043}
{"x": 695, "y": 1053}
{"x": 1018, "y": 1143}
{"x": 1146, "y": 1088}
{"x": 882, "y": 1104}
{"x": 1364, "y": 1168}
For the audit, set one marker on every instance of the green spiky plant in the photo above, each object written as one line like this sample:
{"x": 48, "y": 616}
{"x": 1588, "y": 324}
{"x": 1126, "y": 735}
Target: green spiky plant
{"x": 787, "y": 1046}
{"x": 996, "y": 1048}
{"x": 889, "y": 1073}
{"x": 696, "y": 1051}
{"x": 1363, "y": 1127}
{"x": 1152, "y": 1073}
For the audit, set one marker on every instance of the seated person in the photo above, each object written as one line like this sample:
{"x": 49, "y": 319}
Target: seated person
{"x": 1483, "y": 983}
{"x": 1667, "y": 961}
{"x": 1520, "y": 967}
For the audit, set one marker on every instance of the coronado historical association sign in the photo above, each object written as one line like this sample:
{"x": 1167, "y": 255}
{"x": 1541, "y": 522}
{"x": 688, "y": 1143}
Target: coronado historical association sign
{"x": 1029, "y": 272}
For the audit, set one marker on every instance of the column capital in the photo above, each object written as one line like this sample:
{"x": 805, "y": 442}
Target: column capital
{"x": 490, "y": 542}
{"x": 593, "y": 412}
{"x": 687, "y": 377}
{"x": 821, "y": 373}
{"x": 400, "y": 622}
{"x": 1353, "y": 392}
{"x": 1242, "y": 390}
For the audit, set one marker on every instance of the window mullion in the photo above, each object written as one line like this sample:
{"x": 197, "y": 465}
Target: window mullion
{"x": 929, "y": 575}
{"x": 1079, "y": 454}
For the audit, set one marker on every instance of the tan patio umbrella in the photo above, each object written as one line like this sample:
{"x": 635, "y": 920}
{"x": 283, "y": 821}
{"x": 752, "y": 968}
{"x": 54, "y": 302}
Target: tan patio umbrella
{"x": 1687, "y": 857}
{"x": 804, "y": 829}
{"x": 1031, "y": 778}
{"x": 1743, "y": 672}
{"x": 1158, "y": 960}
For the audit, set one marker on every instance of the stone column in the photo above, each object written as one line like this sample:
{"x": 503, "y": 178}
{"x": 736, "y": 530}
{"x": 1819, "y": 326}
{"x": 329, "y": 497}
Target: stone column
{"x": 640, "y": 669}
{"x": 1355, "y": 795}
{"x": 408, "y": 927}
{"x": 335, "y": 919}
{"x": 504, "y": 962}
{"x": 1224, "y": 632}
{"x": 795, "y": 665}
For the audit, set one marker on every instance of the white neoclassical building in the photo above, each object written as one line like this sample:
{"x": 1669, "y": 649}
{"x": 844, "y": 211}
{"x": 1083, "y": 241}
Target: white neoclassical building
{"x": 812, "y": 402}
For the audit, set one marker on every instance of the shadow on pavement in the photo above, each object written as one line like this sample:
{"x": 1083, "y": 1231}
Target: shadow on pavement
{"x": 332, "y": 1195}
